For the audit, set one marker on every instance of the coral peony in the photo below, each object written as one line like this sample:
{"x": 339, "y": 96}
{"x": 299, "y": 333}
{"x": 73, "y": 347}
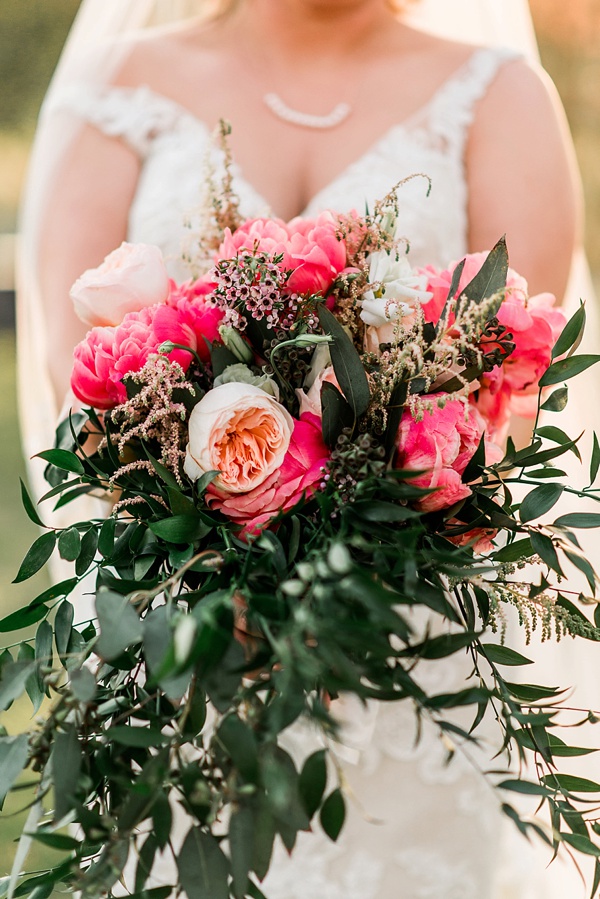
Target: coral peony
{"x": 318, "y": 254}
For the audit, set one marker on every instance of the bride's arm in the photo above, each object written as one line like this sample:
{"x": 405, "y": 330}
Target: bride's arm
{"x": 523, "y": 179}
{"x": 85, "y": 218}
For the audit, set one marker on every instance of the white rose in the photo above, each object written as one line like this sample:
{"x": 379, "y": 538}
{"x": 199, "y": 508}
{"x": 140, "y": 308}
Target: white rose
{"x": 131, "y": 277}
{"x": 397, "y": 289}
{"x": 240, "y": 431}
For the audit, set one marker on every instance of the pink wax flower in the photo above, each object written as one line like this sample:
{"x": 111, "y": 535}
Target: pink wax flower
{"x": 318, "y": 253}
{"x": 299, "y": 475}
{"x": 441, "y": 444}
{"x": 106, "y": 355}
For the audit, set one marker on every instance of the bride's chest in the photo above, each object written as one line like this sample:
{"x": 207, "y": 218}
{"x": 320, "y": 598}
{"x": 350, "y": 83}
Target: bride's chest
{"x": 172, "y": 192}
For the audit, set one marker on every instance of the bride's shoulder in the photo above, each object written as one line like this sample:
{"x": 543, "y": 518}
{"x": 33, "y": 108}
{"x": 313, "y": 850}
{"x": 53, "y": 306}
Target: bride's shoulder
{"x": 193, "y": 53}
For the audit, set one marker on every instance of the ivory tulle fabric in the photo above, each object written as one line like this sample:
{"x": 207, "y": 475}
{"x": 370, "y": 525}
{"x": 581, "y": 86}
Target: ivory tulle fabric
{"x": 418, "y": 828}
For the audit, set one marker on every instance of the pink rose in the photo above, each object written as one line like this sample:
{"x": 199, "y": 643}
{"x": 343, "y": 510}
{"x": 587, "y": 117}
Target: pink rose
{"x": 299, "y": 475}
{"x": 441, "y": 444}
{"x": 318, "y": 253}
{"x": 480, "y": 539}
{"x": 240, "y": 431}
{"x": 130, "y": 278}
{"x": 106, "y": 355}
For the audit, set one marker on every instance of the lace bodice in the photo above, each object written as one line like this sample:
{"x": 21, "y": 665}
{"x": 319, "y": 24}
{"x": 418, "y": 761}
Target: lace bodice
{"x": 418, "y": 828}
{"x": 174, "y": 146}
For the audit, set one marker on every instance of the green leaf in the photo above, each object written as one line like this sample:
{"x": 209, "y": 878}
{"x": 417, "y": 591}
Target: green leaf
{"x": 162, "y": 818}
{"x": 395, "y": 409}
{"x": 241, "y": 845}
{"x": 556, "y": 435}
{"x": 337, "y": 414}
{"x": 571, "y": 783}
{"x": 490, "y": 280}
{"x": 203, "y": 868}
{"x": 23, "y": 618}
{"x": 159, "y": 651}
{"x": 43, "y": 644}
{"x": 580, "y": 843}
{"x": 13, "y": 681}
{"x": 106, "y": 538}
{"x": 454, "y": 284}
{"x": 63, "y": 624}
{"x": 66, "y": 761}
{"x": 531, "y": 692}
{"x": 69, "y": 544}
{"x": 540, "y": 501}
{"x": 595, "y": 460}
{"x": 63, "y": 459}
{"x": 313, "y": 780}
{"x": 440, "y": 647}
{"x": 557, "y": 401}
{"x": 578, "y": 520}
{"x": 142, "y": 737}
{"x": 333, "y": 815}
{"x": 519, "y": 549}
{"x": 240, "y": 743}
{"x": 120, "y": 625}
{"x": 567, "y": 368}
{"x": 546, "y": 550}
{"x": 29, "y": 506}
{"x": 56, "y": 591}
{"x": 571, "y": 333}
{"x": 525, "y": 787}
{"x": 180, "y": 529}
{"x": 503, "y": 655}
{"x": 58, "y": 841}
{"x": 89, "y": 547}
{"x": 36, "y": 558}
{"x": 14, "y": 754}
{"x": 347, "y": 364}
{"x": 83, "y": 684}
{"x": 34, "y": 685}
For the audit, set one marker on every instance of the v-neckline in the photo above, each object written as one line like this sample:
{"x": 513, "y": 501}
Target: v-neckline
{"x": 183, "y": 112}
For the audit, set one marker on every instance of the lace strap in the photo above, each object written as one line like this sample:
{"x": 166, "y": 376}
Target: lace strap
{"x": 451, "y": 112}
{"x": 136, "y": 115}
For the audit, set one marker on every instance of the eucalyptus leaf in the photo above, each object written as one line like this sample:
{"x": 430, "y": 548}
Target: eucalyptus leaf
{"x": 337, "y": 414}
{"x": 333, "y": 815}
{"x": 36, "y": 558}
{"x": 540, "y": 501}
{"x": 203, "y": 868}
{"x": 557, "y": 401}
{"x": 66, "y": 760}
{"x": 69, "y": 544}
{"x": 567, "y": 369}
{"x": 313, "y": 780}
{"x": 120, "y": 625}
{"x": 14, "y": 754}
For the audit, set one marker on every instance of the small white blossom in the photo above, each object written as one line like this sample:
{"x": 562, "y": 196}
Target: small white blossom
{"x": 397, "y": 289}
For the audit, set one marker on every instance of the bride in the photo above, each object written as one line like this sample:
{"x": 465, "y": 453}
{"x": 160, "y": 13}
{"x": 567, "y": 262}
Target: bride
{"x": 331, "y": 102}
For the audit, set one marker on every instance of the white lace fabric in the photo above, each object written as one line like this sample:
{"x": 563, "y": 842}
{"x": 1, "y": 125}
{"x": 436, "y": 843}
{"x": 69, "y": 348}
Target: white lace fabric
{"x": 418, "y": 827}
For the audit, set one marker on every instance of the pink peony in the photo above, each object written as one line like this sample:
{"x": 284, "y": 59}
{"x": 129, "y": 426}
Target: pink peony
{"x": 513, "y": 389}
{"x": 441, "y": 444}
{"x": 439, "y": 282}
{"x": 299, "y": 475}
{"x": 106, "y": 355}
{"x": 269, "y": 236}
{"x": 318, "y": 254}
{"x": 189, "y": 320}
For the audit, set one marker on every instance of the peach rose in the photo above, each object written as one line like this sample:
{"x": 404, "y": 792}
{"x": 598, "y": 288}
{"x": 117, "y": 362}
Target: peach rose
{"x": 240, "y": 431}
{"x": 299, "y": 475}
{"x": 130, "y": 278}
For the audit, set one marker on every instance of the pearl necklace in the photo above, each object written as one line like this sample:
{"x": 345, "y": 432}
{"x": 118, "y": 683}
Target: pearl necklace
{"x": 305, "y": 119}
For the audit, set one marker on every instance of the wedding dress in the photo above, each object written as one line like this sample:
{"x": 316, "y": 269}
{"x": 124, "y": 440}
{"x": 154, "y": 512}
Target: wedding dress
{"x": 417, "y": 827}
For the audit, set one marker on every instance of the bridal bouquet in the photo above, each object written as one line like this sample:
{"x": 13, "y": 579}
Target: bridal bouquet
{"x": 301, "y": 447}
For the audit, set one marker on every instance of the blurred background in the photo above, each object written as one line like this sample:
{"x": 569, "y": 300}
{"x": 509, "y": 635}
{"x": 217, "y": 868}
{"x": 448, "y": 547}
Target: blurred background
{"x": 31, "y": 36}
